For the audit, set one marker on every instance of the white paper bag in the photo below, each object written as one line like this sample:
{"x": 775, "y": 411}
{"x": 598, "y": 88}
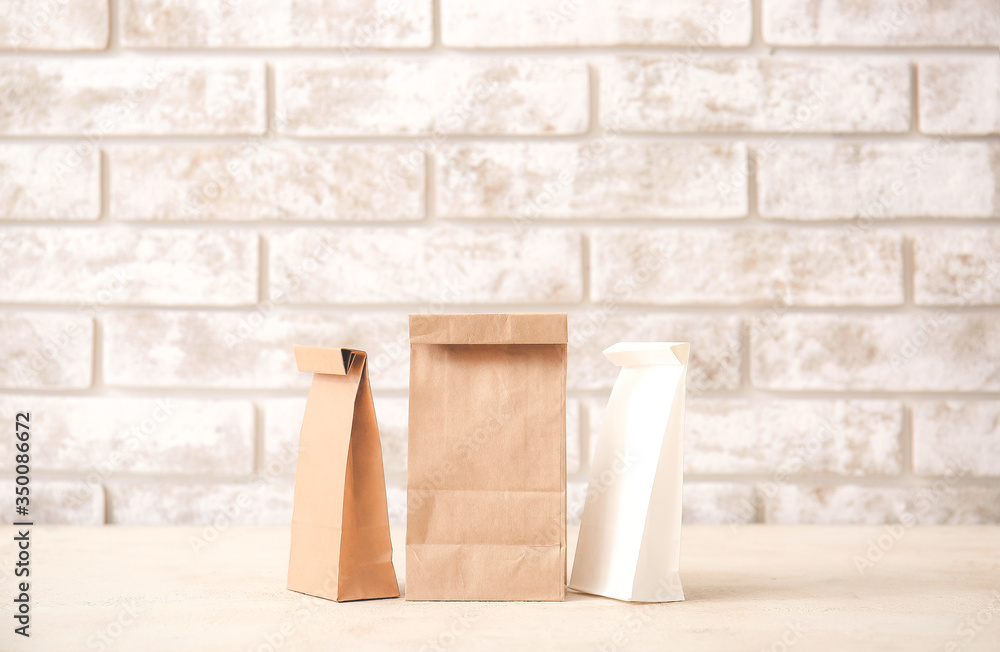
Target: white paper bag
{"x": 630, "y": 534}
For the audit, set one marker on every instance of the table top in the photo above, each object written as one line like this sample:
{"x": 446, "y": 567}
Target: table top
{"x": 752, "y": 587}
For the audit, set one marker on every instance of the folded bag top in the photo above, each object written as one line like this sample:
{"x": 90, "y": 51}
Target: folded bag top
{"x": 637, "y": 354}
{"x": 510, "y": 328}
{"x": 326, "y": 360}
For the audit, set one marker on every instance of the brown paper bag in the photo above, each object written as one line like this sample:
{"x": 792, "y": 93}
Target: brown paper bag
{"x": 340, "y": 520}
{"x": 486, "y": 477}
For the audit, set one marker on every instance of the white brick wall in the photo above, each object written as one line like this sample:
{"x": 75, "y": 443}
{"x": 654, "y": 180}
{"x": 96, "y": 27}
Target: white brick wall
{"x": 805, "y": 191}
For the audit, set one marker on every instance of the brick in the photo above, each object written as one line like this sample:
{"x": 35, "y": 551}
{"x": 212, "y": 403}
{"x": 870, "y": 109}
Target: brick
{"x": 58, "y": 97}
{"x": 265, "y": 501}
{"x": 678, "y": 94}
{"x": 102, "y": 267}
{"x": 822, "y": 267}
{"x": 283, "y": 423}
{"x": 46, "y": 350}
{"x": 441, "y": 266}
{"x": 956, "y": 267}
{"x": 715, "y": 346}
{"x": 939, "y": 179}
{"x": 50, "y": 182}
{"x": 349, "y": 27}
{"x": 58, "y": 502}
{"x": 923, "y": 351}
{"x": 960, "y": 96}
{"x": 956, "y": 438}
{"x": 522, "y": 23}
{"x": 881, "y": 23}
{"x": 104, "y": 437}
{"x": 927, "y": 504}
{"x": 263, "y": 182}
{"x": 600, "y": 178}
{"x": 793, "y": 437}
{"x": 60, "y": 25}
{"x": 434, "y": 97}
{"x": 245, "y": 349}
{"x": 719, "y": 503}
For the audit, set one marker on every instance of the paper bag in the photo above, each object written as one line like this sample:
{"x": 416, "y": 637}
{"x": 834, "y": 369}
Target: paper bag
{"x": 486, "y": 478}
{"x": 340, "y": 520}
{"x": 630, "y": 533}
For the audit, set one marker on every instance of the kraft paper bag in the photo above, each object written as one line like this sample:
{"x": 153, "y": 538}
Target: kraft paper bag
{"x": 486, "y": 485}
{"x": 340, "y": 520}
{"x": 630, "y": 532}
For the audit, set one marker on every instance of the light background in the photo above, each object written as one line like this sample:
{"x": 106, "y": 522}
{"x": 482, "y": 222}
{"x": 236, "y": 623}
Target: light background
{"x": 805, "y": 191}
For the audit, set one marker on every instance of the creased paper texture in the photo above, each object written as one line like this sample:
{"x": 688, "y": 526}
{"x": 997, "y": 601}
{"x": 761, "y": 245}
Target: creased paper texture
{"x": 486, "y": 479}
{"x": 340, "y": 546}
{"x": 630, "y": 532}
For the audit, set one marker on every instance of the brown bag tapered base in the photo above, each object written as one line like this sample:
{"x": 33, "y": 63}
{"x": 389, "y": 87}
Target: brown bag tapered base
{"x": 340, "y": 520}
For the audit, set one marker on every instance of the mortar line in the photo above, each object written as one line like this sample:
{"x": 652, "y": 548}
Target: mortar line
{"x": 334, "y": 53}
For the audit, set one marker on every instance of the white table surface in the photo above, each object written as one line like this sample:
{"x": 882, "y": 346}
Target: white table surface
{"x": 750, "y": 588}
